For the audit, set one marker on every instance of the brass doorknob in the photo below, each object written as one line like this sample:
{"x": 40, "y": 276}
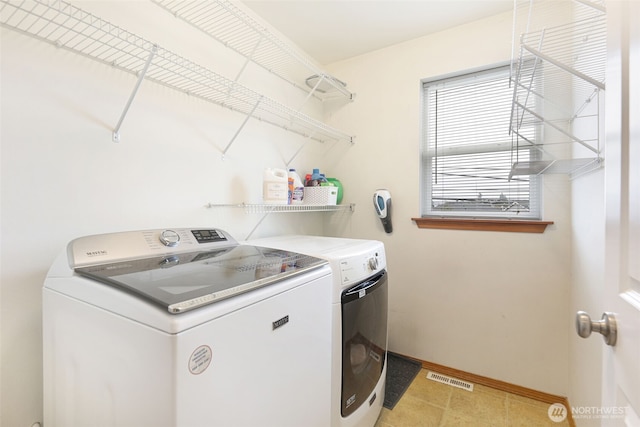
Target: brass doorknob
{"x": 606, "y": 326}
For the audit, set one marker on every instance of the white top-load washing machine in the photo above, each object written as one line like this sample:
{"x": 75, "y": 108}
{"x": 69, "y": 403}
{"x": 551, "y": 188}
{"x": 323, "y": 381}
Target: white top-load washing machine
{"x": 359, "y": 305}
{"x": 185, "y": 328}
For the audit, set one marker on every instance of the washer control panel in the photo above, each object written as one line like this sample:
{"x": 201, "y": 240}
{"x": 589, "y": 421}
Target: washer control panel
{"x": 169, "y": 238}
{"x": 209, "y": 236}
{"x": 107, "y": 248}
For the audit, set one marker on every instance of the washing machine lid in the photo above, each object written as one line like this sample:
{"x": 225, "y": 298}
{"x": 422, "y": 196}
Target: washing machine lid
{"x": 180, "y": 278}
{"x": 185, "y": 281}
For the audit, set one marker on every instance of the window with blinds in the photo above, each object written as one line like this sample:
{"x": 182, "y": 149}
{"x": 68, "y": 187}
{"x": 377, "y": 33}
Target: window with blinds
{"x": 468, "y": 151}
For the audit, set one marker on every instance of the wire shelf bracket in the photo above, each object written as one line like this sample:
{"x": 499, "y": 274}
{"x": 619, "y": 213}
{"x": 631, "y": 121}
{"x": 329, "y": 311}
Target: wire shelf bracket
{"x": 246, "y": 119}
{"x": 116, "y": 131}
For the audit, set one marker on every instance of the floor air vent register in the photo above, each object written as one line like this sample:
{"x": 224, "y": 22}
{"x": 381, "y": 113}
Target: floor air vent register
{"x": 454, "y": 382}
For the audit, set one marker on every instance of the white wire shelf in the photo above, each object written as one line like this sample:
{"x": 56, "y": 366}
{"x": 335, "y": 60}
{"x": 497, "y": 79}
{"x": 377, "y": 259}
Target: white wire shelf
{"x": 227, "y": 23}
{"x": 556, "y": 64}
{"x": 578, "y": 48}
{"x": 270, "y": 208}
{"x": 572, "y": 167}
{"x": 71, "y": 28}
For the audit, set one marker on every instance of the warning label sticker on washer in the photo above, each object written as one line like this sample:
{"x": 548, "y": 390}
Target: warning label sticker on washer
{"x": 200, "y": 359}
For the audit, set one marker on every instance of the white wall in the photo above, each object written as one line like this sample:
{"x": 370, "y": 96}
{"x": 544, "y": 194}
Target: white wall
{"x": 63, "y": 177}
{"x": 490, "y": 303}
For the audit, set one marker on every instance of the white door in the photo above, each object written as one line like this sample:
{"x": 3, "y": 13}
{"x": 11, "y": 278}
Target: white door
{"x": 621, "y": 370}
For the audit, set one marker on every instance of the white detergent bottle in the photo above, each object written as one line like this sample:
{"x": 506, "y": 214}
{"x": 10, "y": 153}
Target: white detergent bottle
{"x": 297, "y": 190}
{"x": 275, "y": 189}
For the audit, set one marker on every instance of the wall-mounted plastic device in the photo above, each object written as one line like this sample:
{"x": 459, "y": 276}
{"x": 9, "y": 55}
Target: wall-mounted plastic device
{"x": 382, "y": 203}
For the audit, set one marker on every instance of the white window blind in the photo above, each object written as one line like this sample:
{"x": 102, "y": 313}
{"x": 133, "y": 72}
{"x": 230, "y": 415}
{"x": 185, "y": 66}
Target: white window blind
{"x": 467, "y": 150}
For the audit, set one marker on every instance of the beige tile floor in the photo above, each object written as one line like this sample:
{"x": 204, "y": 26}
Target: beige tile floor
{"x": 427, "y": 403}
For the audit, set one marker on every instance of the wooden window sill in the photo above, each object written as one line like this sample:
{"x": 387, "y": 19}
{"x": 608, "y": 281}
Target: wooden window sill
{"x": 511, "y": 225}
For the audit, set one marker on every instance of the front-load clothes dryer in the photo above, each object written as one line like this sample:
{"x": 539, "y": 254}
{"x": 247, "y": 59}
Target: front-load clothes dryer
{"x": 359, "y": 315}
{"x": 185, "y": 328}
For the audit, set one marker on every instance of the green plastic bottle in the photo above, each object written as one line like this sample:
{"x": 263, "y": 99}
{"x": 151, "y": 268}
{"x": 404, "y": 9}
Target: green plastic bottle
{"x": 338, "y": 184}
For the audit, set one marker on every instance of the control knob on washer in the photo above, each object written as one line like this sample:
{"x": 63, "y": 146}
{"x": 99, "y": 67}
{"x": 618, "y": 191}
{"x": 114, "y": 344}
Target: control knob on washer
{"x": 169, "y": 238}
{"x": 373, "y": 263}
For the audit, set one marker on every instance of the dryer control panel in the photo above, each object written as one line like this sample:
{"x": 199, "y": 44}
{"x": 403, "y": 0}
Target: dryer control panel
{"x": 361, "y": 266}
{"x": 113, "y": 247}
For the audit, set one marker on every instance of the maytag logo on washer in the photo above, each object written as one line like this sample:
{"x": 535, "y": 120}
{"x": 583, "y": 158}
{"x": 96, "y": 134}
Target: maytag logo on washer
{"x": 280, "y": 322}
{"x": 101, "y": 252}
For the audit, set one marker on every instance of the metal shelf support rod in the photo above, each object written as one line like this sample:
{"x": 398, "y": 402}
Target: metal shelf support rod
{"x": 306, "y": 141}
{"x": 246, "y": 119}
{"x": 536, "y": 62}
{"x": 585, "y": 104}
{"x": 244, "y": 66}
{"x": 249, "y": 58}
{"x": 320, "y": 80}
{"x": 116, "y": 131}
{"x": 258, "y": 224}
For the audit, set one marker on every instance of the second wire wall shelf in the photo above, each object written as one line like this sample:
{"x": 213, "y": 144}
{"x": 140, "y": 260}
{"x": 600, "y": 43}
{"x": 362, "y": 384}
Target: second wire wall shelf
{"x": 236, "y": 29}
{"x": 74, "y": 29}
